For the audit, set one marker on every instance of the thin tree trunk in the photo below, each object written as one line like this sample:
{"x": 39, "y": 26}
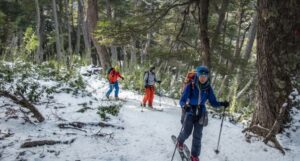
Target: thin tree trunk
{"x": 69, "y": 28}
{"x": 222, "y": 85}
{"x": 114, "y": 55}
{"x": 237, "y": 44}
{"x": 58, "y": 47}
{"x": 39, "y": 54}
{"x": 144, "y": 51}
{"x": 222, "y": 14}
{"x": 251, "y": 38}
{"x": 92, "y": 15}
{"x": 240, "y": 93}
{"x": 133, "y": 59}
{"x": 79, "y": 26}
{"x": 85, "y": 31}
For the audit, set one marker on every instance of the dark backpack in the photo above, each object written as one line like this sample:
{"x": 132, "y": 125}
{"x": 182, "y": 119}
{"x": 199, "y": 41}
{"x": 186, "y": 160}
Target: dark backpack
{"x": 108, "y": 72}
{"x": 146, "y": 72}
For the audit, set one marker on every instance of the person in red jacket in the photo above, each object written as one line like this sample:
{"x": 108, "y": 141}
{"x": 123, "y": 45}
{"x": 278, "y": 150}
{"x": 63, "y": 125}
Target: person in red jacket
{"x": 113, "y": 76}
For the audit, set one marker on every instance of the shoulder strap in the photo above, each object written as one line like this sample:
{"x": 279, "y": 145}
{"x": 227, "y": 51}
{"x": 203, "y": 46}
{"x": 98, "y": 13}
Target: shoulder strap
{"x": 147, "y": 80}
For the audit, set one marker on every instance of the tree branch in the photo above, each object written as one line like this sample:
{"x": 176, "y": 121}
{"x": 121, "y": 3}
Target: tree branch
{"x": 25, "y": 103}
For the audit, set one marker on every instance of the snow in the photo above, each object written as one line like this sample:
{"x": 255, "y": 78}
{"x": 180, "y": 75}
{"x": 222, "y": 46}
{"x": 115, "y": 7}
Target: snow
{"x": 146, "y": 136}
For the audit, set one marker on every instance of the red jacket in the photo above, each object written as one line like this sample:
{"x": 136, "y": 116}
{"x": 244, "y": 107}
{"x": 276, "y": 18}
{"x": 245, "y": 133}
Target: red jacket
{"x": 113, "y": 76}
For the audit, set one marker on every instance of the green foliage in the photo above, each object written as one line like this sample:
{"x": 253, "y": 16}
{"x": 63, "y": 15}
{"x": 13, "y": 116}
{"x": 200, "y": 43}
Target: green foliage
{"x": 134, "y": 79}
{"x": 24, "y": 78}
{"x": 30, "y": 40}
{"x": 104, "y": 111}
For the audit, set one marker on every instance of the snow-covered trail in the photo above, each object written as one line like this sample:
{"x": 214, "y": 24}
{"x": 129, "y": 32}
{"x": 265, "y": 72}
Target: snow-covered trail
{"x": 146, "y": 136}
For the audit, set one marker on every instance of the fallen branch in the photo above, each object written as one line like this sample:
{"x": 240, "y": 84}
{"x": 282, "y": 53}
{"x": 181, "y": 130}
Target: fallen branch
{"x": 5, "y": 135}
{"x": 276, "y": 126}
{"x": 82, "y": 124}
{"x": 264, "y": 132}
{"x": 99, "y": 134}
{"x": 25, "y": 103}
{"x": 31, "y": 144}
{"x": 66, "y": 126}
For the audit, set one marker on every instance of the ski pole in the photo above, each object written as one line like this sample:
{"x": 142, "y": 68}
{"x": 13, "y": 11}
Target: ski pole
{"x": 176, "y": 144}
{"x": 159, "y": 96}
{"x": 223, "y": 115}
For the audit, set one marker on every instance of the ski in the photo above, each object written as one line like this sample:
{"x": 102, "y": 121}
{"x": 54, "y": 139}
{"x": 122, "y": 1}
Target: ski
{"x": 151, "y": 109}
{"x": 185, "y": 154}
{"x": 155, "y": 109}
{"x": 113, "y": 99}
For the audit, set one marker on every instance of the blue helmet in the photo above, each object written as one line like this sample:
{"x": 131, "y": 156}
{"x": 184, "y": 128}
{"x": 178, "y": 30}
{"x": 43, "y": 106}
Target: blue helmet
{"x": 202, "y": 70}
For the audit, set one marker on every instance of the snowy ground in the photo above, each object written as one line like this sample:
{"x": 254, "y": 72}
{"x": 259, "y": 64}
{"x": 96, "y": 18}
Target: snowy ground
{"x": 146, "y": 136}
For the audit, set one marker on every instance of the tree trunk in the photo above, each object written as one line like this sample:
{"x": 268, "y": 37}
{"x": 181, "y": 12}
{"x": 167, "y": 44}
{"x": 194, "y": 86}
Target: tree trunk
{"x": 58, "y": 47}
{"x": 275, "y": 42}
{"x": 40, "y": 52}
{"x": 92, "y": 16}
{"x": 85, "y": 31}
{"x": 133, "y": 59}
{"x": 222, "y": 14}
{"x": 203, "y": 6}
{"x": 251, "y": 38}
{"x": 144, "y": 51}
{"x": 69, "y": 28}
{"x": 79, "y": 25}
{"x": 114, "y": 55}
{"x": 238, "y": 47}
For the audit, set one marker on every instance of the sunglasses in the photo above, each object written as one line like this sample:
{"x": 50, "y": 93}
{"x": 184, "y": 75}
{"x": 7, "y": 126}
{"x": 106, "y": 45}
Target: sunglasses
{"x": 203, "y": 75}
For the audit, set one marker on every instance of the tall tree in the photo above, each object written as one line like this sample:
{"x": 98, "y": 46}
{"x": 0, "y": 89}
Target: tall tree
{"x": 251, "y": 38}
{"x": 203, "y": 6}
{"x": 58, "y": 47}
{"x": 85, "y": 31}
{"x": 69, "y": 28}
{"x": 277, "y": 22}
{"x": 92, "y": 16}
{"x": 221, "y": 12}
{"x": 40, "y": 52}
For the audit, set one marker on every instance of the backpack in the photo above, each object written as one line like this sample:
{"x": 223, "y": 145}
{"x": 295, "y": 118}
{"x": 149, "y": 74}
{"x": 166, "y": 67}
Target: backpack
{"x": 189, "y": 78}
{"x": 109, "y": 75}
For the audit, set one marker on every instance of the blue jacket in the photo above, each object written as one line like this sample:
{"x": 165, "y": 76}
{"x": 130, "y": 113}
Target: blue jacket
{"x": 192, "y": 97}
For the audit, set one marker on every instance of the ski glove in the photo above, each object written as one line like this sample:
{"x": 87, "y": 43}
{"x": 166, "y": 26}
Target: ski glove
{"x": 158, "y": 81}
{"x": 225, "y": 104}
{"x": 185, "y": 107}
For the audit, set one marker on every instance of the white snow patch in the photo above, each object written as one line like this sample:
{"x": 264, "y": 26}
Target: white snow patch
{"x": 146, "y": 136}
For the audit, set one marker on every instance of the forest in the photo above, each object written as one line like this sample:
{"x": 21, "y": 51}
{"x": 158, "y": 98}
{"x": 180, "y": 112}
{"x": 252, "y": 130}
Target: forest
{"x": 56, "y": 58}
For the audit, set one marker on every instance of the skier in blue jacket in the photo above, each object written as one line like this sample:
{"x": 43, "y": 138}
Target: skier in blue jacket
{"x": 194, "y": 114}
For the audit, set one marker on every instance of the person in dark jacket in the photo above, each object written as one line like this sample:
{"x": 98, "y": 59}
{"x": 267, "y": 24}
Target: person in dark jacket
{"x": 194, "y": 115}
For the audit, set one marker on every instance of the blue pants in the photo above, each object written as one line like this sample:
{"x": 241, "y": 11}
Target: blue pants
{"x": 188, "y": 125}
{"x": 111, "y": 87}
